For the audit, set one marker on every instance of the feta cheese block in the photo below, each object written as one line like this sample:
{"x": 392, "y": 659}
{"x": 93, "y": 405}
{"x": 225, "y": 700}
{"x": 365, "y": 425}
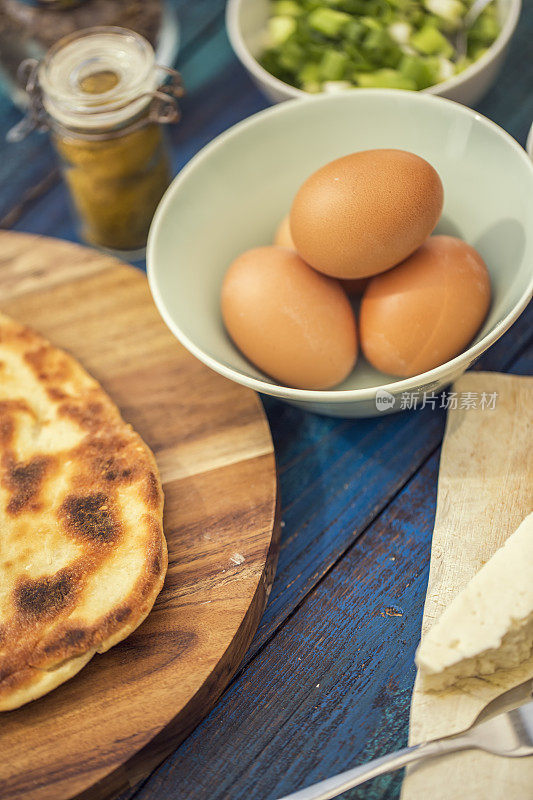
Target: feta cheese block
{"x": 489, "y": 624}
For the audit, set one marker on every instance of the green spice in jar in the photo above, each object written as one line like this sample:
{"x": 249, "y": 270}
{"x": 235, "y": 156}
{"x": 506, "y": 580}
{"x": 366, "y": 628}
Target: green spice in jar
{"x": 98, "y": 88}
{"x": 116, "y": 184}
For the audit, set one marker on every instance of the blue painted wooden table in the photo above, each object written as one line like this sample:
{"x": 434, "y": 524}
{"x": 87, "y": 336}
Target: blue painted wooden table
{"x": 327, "y": 681}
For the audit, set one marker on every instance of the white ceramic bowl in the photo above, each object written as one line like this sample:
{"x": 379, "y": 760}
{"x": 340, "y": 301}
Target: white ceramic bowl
{"x": 231, "y": 196}
{"x": 246, "y": 22}
{"x": 529, "y": 143}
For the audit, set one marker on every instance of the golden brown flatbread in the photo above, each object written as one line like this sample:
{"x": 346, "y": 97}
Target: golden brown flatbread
{"x": 82, "y": 551}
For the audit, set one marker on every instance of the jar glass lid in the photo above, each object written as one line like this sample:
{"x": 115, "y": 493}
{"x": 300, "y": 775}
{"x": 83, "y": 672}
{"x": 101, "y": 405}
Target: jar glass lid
{"x": 98, "y": 77}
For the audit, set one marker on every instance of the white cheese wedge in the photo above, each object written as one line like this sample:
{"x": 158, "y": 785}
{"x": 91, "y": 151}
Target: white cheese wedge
{"x": 489, "y": 624}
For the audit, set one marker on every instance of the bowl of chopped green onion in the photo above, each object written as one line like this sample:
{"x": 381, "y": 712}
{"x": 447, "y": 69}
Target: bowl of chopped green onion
{"x": 292, "y": 48}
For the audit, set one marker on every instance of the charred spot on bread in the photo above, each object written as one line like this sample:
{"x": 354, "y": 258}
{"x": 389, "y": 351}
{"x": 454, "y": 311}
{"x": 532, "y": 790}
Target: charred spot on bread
{"x": 7, "y": 429}
{"x": 122, "y": 614}
{"x": 56, "y": 394}
{"x": 24, "y": 480}
{"x": 110, "y": 461}
{"x": 8, "y": 410}
{"x": 152, "y": 491}
{"x": 47, "y": 365}
{"x": 89, "y": 416}
{"x": 73, "y": 639}
{"x": 90, "y": 517}
{"x": 115, "y": 467}
{"x": 115, "y": 474}
{"x": 44, "y": 596}
{"x": 157, "y": 564}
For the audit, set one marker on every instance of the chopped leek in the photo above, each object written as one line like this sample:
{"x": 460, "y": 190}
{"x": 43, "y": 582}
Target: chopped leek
{"x": 329, "y": 45}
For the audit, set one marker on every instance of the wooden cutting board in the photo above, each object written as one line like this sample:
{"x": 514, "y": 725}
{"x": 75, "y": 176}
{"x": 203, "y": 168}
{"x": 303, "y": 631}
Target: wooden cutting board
{"x": 108, "y": 726}
{"x": 485, "y": 491}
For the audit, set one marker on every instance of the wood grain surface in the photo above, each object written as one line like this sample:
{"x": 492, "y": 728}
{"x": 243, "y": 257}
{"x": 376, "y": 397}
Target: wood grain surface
{"x": 485, "y": 490}
{"x": 104, "y": 729}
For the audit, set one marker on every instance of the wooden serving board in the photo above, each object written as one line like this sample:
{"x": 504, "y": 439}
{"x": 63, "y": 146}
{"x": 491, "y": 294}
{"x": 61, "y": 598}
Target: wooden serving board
{"x": 485, "y": 490}
{"x": 108, "y": 726}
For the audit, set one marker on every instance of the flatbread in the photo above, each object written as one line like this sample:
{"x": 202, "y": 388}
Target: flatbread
{"x": 82, "y": 551}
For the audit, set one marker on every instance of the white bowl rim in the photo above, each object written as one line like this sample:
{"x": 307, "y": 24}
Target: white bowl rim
{"x": 435, "y": 375}
{"x": 261, "y": 74}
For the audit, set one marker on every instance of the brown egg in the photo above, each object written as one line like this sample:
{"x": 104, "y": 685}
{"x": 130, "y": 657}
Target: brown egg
{"x": 426, "y": 310}
{"x": 283, "y": 236}
{"x": 290, "y": 321}
{"x": 364, "y": 213}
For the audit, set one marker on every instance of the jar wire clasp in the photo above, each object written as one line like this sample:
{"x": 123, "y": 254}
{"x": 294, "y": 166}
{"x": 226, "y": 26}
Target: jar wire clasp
{"x": 163, "y": 107}
{"x": 35, "y": 117}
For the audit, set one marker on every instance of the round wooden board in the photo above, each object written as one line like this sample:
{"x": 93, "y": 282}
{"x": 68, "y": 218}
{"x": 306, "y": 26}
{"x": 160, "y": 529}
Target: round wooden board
{"x": 108, "y": 726}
